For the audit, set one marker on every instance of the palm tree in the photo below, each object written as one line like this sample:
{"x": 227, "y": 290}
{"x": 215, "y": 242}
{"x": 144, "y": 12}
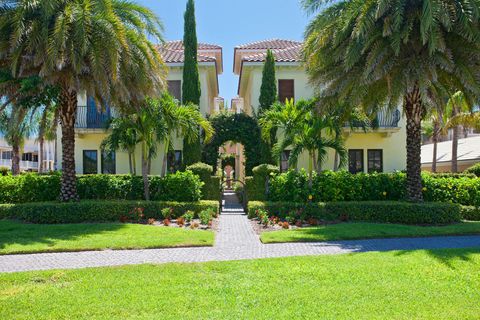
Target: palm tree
{"x": 100, "y": 47}
{"x": 456, "y": 105}
{"x": 155, "y": 122}
{"x": 123, "y": 136}
{"x": 47, "y": 130}
{"x": 432, "y": 127}
{"x": 304, "y": 130}
{"x": 182, "y": 121}
{"x": 381, "y": 53}
{"x": 16, "y": 127}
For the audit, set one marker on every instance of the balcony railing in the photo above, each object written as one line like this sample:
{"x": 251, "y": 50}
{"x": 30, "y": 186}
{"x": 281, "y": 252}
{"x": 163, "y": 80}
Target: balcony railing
{"x": 384, "y": 119}
{"x": 90, "y": 118}
{"x": 24, "y": 165}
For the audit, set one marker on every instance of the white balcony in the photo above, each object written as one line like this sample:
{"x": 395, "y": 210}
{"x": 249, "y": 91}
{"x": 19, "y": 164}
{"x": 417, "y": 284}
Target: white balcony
{"x": 24, "y": 165}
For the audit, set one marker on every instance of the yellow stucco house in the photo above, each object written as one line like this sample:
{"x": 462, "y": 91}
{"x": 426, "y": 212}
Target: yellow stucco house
{"x": 381, "y": 150}
{"x": 90, "y": 124}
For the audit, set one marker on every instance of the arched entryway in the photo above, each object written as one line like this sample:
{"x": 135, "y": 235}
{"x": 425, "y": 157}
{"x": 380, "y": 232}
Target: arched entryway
{"x": 237, "y": 128}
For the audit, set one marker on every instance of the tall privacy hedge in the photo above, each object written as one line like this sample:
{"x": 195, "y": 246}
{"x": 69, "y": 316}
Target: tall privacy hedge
{"x": 181, "y": 186}
{"x": 211, "y": 184}
{"x": 331, "y": 186}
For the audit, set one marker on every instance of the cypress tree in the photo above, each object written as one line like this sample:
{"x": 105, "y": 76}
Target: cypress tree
{"x": 268, "y": 90}
{"x": 191, "y": 91}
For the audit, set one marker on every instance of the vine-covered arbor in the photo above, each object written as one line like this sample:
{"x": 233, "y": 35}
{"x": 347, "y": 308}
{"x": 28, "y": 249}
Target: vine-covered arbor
{"x": 238, "y": 128}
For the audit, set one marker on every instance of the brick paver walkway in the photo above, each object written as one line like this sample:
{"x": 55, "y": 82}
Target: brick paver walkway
{"x": 235, "y": 240}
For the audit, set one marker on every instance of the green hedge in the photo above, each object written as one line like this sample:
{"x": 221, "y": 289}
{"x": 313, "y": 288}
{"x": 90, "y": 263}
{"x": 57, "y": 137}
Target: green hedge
{"x": 475, "y": 169}
{"x": 471, "y": 213}
{"x": 96, "y": 211}
{"x": 255, "y": 185}
{"x": 181, "y": 186}
{"x": 371, "y": 211}
{"x": 331, "y": 186}
{"x": 211, "y": 186}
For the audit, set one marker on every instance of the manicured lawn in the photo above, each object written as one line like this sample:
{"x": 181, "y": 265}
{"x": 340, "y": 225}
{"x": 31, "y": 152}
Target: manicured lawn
{"x": 16, "y": 237}
{"x": 395, "y": 285}
{"x": 346, "y": 231}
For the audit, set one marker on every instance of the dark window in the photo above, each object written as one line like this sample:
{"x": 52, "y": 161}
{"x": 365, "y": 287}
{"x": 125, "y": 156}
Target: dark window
{"x": 175, "y": 89}
{"x": 375, "y": 161}
{"x": 286, "y": 90}
{"x": 27, "y": 157}
{"x": 7, "y": 155}
{"x": 355, "y": 160}
{"x": 284, "y": 161}
{"x": 97, "y": 119}
{"x": 90, "y": 159}
{"x": 108, "y": 162}
{"x": 174, "y": 161}
{"x": 35, "y": 157}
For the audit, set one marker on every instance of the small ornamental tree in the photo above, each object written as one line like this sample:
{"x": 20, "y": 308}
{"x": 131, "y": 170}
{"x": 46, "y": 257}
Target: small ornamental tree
{"x": 191, "y": 90}
{"x": 268, "y": 90}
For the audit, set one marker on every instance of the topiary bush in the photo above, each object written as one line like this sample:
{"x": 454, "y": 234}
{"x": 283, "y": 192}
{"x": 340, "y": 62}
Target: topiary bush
{"x": 211, "y": 186}
{"x": 256, "y": 185}
{"x": 475, "y": 169}
{"x": 97, "y": 211}
{"x": 369, "y": 211}
{"x": 181, "y": 186}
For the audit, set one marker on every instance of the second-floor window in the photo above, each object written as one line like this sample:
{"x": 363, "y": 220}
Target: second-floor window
{"x": 175, "y": 89}
{"x": 355, "y": 160}
{"x": 286, "y": 90}
{"x": 29, "y": 157}
{"x": 284, "y": 161}
{"x": 174, "y": 161}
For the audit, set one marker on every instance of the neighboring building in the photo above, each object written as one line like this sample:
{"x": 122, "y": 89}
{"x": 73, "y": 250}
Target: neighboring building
{"x": 381, "y": 150}
{"x": 29, "y": 156}
{"x": 90, "y": 126}
{"x": 468, "y": 154}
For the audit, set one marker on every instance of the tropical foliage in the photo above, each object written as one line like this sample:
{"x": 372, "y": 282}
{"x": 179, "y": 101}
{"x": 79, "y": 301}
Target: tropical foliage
{"x": 101, "y": 47}
{"x": 303, "y": 130}
{"x": 381, "y": 53}
{"x": 156, "y": 122}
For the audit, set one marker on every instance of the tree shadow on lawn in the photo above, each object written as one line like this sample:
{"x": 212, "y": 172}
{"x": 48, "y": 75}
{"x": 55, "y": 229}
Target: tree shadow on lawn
{"x": 447, "y": 256}
{"x": 444, "y": 249}
{"x": 16, "y": 232}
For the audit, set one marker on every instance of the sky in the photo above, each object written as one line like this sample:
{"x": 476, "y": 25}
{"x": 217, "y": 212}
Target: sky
{"x": 229, "y": 23}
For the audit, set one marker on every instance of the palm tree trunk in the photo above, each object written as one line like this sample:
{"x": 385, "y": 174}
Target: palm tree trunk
{"x": 310, "y": 170}
{"x": 15, "y": 159}
{"x": 134, "y": 162}
{"x": 146, "y": 184}
{"x": 130, "y": 164}
{"x": 165, "y": 158}
{"x": 436, "y": 131}
{"x": 68, "y": 114}
{"x": 335, "y": 162}
{"x": 456, "y": 131}
{"x": 41, "y": 148}
{"x": 413, "y": 110}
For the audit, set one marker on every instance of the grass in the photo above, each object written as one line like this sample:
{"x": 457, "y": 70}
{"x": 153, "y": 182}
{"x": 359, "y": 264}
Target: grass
{"x": 438, "y": 284}
{"x": 349, "y": 231}
{"x": 16, "y": 237}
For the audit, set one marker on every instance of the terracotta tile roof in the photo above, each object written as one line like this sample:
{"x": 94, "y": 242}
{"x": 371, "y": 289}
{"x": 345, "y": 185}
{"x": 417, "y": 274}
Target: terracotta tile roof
{"x": 178, "y": 45}
{"x": 291, "y": 54}
{"x": 172, "y": 52}
{"x": 269, "y": 44}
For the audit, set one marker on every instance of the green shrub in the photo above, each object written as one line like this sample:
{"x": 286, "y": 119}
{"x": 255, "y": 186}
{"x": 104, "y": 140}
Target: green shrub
{"x": 97, "y": 211}
{"x": 188, "y": 215}
{"x": 371, "y": 211}
{"x": 471, "y": 213}
{"x": 206, "y": 216}
{"x": 4, "y": 171}
{"x": 25, "y": 188}
{"x": 331, "y": 186}
{"x": 211, "y": 186}
{"x": 475, "y": 169}
{"x": 256, "y": 185}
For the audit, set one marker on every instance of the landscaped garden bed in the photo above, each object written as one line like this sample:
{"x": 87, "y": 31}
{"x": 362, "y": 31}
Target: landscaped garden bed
{"x": 310, "y": 222}
{"x": 17, "y": 237}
